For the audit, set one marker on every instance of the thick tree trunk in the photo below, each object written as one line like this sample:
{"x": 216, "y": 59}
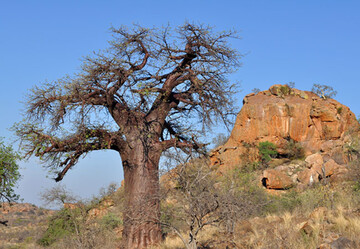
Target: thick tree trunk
{"x": 142, "y": 212}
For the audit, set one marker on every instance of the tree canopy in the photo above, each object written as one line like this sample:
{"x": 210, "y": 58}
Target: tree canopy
{"x": 178, "y": 74}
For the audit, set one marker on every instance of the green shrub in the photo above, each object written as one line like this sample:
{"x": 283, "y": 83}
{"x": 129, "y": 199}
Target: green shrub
{"x": 285, "y": 90}
{"x": 247, "y": 182}
{"x": 111, "y": 221}
{"x": 60, "y": 225}
{"x": 356, "y": 187}
{"x": 285, "y": 202}
{"x": 339, "y": 110}
{"x": 267, "y": 151}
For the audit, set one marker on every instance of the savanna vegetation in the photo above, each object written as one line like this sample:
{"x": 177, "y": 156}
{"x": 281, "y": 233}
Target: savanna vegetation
{"x": 202, "y": 208}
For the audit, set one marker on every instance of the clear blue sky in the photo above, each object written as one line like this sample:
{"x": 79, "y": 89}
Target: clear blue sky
{"x": 302, "y": 41}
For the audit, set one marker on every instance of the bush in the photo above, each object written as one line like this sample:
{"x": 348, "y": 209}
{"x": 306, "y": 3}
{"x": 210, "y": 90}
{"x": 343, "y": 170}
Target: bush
{"x": 60, "y": 225}
{"x": 353, "y": 151}
{"x": 72, "y": 228}
{"x": 111, "y": 221}
{"x": 267, "y": 151}
{"x": 246, "y": 185}
{"x": 285, "y": 90}
{"x": 339, "y": 110}
{"x": 294, "y": 150}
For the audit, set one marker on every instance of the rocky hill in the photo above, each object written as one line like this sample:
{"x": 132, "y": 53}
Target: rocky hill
{"x": 286, "y": 117}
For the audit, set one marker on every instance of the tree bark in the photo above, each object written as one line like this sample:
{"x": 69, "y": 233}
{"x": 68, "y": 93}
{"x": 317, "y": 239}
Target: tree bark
{"x": 142, "y": 214}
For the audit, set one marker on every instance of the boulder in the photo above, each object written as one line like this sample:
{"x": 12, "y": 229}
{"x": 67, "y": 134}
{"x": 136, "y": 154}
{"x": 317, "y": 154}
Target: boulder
{"x": 307, "y": 229}
{"x": 307, "y": 177}
{"x": 331, "y": 167}
{"x": 275, "y": 179}
{"x": 340, "y": 174}
{"x": 314, "y": 161}
{"x": 342, "y": 243}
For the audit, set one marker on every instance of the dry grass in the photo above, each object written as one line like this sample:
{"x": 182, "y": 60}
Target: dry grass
{"x": 293, "y": 230}
{"x": 171, "y": 242}
{"x": 345, "y": 223}
{"x": 208, "y": 235}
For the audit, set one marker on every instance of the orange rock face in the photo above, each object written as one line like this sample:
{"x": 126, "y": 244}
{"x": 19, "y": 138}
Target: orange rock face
{"x": 72, "y": 206}
{"x": 280, "y": 114}
{"x": 102, "y": 209}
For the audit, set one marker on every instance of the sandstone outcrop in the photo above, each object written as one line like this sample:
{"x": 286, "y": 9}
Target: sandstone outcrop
{"x": 280, "y": 115}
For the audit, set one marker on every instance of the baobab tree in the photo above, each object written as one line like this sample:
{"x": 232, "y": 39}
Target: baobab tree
{"x": 151, "y": 90}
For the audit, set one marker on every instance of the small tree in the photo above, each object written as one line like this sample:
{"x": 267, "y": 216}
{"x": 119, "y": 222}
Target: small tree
{"x": 256, "y": 90}
{"x": 9, "y": 173}
{"x": 110, "y": 190}
{"x": 200, "y": 201}
{"x": 58, "y": 195}
{"x": 291, "y": 84}
{"x": 324, "y": 91}
{"x": 196, "y": 194}
{"x": 199, "y": 197}
{"x": 220, "y": 139}
{"x": 73, "y": 226}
